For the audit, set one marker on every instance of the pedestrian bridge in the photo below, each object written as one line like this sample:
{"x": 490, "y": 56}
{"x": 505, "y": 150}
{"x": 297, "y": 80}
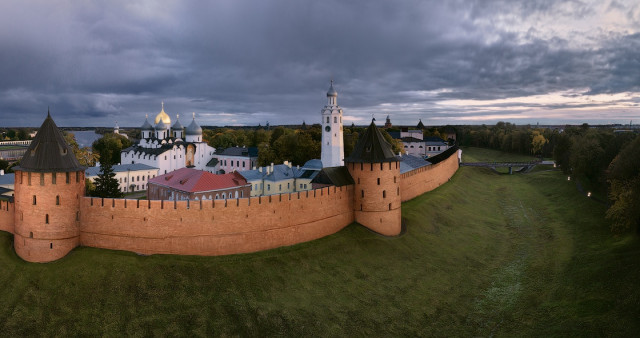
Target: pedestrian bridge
{"x": 525, "y": 166}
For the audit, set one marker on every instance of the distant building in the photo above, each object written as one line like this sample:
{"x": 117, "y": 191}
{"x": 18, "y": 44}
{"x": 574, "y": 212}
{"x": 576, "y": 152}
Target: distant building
{"x": 193, "y": 184}
{"x": 387, "y": 123}
{"x": 233, "y": 159}
{"x": 281, "y": 178}
{"x": 415, "y": 144}
{"x": 116, "y": 130}
{"x": 131, "y": 177}
{"x": 169, "y": 147}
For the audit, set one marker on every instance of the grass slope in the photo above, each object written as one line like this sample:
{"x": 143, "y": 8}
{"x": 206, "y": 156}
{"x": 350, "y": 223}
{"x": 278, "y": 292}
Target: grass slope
{"x": 486, "y": 254}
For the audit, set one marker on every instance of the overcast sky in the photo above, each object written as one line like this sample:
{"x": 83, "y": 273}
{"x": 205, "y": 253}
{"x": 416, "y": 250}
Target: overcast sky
{"x": 248, "y": 62}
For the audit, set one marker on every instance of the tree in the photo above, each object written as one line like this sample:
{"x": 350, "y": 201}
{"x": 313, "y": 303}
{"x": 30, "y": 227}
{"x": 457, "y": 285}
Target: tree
{"x": 538, "y": 142}
{"x": 4, "y": 165}
{"x": 624, "y": 191}
{"x": 84, "y": 155}
{"x": 106, "y": 184}
{"x": 109, "y": 147}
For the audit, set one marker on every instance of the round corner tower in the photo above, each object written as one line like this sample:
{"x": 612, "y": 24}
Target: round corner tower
{"x": 49, "y": 184}
{"x": 376, "y": 173}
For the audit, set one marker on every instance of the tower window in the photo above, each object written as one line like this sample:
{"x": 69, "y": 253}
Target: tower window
{"x": 50, "y": 245}
{"x": 384, "y": 194}
{"x": 58, "y": 200}
{"x": 327, "y": 119}
{"x": 77, "y": 177}
{"x": 29, "y": 178}
{"x": 53, "y": 178}
{"x": 41, "y": 178}
{"x": 34, "y": 199}
{"x": 335, "y": 119}
{"x": 67, "y": 177}
{"x": 46, "y": 219}
{"x": 361, "y": 193}
{"x": 378, "y": 180}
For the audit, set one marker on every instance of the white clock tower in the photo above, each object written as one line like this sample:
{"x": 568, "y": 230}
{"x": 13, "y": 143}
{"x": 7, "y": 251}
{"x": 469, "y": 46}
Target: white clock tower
{"x": 332, "y": 142}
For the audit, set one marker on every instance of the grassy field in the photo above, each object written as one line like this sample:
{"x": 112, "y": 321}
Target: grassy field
{"x": 472, "y": 154}
{"x": 486, "y": 254}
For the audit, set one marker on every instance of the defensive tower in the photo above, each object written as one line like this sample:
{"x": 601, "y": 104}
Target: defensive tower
{"x": 332, "y": 148}
{"x": 49, "y": 184}
{"x": 376, "y": 173}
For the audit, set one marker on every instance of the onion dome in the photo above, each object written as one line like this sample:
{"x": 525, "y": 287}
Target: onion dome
{"x": 332, "y": 92}
{"x": 177, "y": 125}
{"x": 49, "y": 152}
{"x": 193, "y": 128}
{"x": 146, "y": 125}
{"x": 163, "y": 116}
{"x": 161, "y": 126}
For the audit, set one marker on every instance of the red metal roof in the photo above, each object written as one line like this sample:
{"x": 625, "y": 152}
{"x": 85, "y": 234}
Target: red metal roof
{"x": 193, "y": 180}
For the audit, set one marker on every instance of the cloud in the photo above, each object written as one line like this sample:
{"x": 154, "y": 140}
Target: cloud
{"x": 252, "y": 61}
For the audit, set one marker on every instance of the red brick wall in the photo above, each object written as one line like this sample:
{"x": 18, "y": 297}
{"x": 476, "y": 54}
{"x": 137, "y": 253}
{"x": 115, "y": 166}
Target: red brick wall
{"x": 215, "y": 227}
{"x": 7, "y": 212}
{"x": 416, "y": 182}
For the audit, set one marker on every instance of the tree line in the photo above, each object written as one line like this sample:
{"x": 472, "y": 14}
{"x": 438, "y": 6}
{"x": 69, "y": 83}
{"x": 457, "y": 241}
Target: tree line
{"x": 601, "y": 158}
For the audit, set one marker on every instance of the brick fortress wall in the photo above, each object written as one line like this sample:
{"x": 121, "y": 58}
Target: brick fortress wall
{"x": 218, "y": 227}
{"x": 416, "y": 182}
{"x": 215, "y": 227}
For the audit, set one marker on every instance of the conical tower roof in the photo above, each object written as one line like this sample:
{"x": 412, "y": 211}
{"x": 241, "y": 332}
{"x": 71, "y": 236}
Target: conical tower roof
{"x": 372, "y": 148}
{"x": 49, "y": 152}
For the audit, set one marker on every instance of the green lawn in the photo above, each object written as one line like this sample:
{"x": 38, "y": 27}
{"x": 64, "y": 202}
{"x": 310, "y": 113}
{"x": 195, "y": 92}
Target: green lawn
{"x": 486, "y": 254}
{"x": 473, "y": 154}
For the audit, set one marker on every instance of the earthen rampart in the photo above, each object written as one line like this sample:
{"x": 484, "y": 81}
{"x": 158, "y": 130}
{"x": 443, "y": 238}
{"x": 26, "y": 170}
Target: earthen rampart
{"x": 215, "y": 227}
{"x": 416, "y": 182}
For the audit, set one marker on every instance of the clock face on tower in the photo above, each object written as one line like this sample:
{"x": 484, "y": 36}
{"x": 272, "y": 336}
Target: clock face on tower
{"x": 327, "y": 128}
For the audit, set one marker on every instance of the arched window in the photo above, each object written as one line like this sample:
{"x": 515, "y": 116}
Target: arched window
{"x": 58, "y": 200}
{"x": 327, "y": 119}
{"x": 335, "y": 119}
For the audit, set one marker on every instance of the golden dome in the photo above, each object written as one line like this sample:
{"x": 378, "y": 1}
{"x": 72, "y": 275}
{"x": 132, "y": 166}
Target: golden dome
{"x": 163, "y": 116}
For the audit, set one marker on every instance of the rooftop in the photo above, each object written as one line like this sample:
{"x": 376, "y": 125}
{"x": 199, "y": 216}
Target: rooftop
{"x": 94, "y": 171}
{"x": 193, "y": 180}
{"x": 49, "y": 152}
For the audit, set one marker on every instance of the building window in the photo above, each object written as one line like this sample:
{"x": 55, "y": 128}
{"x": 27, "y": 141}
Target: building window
{"x": 378, "y": 180}
{"x": 67, "y": 174}
{"x": 361, "y": 193}
{"x": 327, "y": 119}
{"x": 288, "y": 186}
{"x": 34, "y": 199}
{"x": 77, "y": 176}
{"x": 58, "y": 200}
{"x": 46, "y": 219}
{"x": 41, "y": 178}
{"x": 53, "y": 178}
{"x": 243, "y": 164}
{"x": 268, "y": 186}
{"x": 29, "y": 178}
{"x": 335, "y": 119}
{"x": 280, "y": 187}
{"x": 384, "y": 194}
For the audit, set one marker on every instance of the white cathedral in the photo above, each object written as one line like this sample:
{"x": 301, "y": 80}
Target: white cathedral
{"x": 169, "y": 148}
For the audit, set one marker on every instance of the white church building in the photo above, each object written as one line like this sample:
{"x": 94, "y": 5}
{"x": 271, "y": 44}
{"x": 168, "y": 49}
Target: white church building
{"x": 169, "y": 147}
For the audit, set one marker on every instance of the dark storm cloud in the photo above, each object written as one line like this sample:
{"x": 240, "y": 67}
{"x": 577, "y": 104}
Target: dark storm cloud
{"x": 246, "y": 62}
